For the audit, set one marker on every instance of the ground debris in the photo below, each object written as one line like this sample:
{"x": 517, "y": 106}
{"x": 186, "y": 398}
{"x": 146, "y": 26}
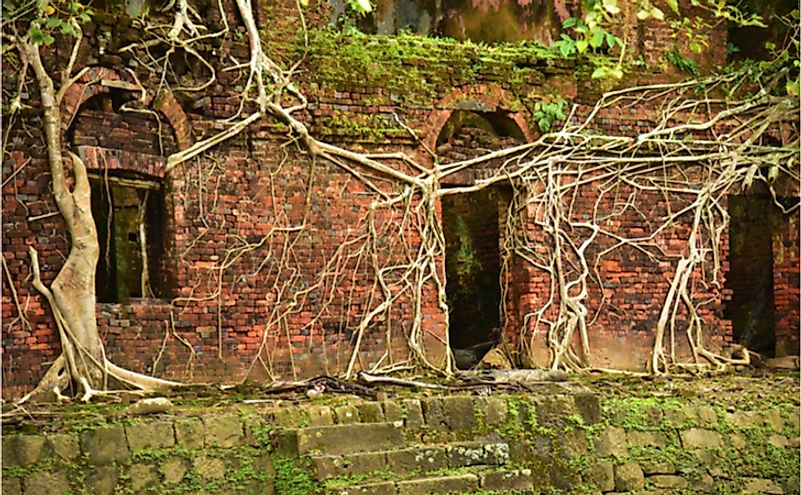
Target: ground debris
{"x": 150, "y": 406}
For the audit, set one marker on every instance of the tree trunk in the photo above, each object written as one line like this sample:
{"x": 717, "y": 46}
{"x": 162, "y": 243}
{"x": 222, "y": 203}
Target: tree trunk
{"x": 72, "y": 294}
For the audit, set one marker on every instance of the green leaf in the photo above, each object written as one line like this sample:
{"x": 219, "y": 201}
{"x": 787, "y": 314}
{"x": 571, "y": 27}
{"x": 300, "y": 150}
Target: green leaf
{"x": 69, "y": 29}
{"x": 793, "y": 88}
{"x": 770, "y": 46}
{"x": 599, "y": 73}
{"x": 658, "y": 14}
{"x": 569, "y": 22}
{"x": 361, "y": 6}
{"x": 39, "y": 37}
{"x": 695, "y": 47}
{"x": 581, "y": 46}
{"x": 642, "y": 15}
{"x": 53, "y": 22}
{"x": 565, "y": 49}
{"x": 611, "y": 7}
{"x": 597, "y": 39}
{"x": 731, "y": 48}
{"x": 544, "y": 124}
{"x": 674, "y": 5}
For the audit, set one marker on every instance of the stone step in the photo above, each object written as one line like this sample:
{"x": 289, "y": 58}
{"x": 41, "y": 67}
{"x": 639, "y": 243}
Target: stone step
{"x": 418, "y": 459}
{"x": 339, "y": 439}
{"x": 518, "y": 482}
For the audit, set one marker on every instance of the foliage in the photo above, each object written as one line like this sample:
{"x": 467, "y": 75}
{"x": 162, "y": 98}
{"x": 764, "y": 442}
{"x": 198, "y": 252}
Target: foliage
{"x": 779, "y": 74}
{"x": 547, "y": 112}
{"x": 589, "y": 35}
{"x": 44, "y": 19}
{"x": 683, "y": 63}
{"x": 291, "y": 478}
{"x": 362, "y": 7}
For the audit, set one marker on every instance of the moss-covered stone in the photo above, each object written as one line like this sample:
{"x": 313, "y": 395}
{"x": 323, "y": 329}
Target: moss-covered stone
{"x": 371, "y": 412}
{"x": 346, "y": 439}
{"x": 189, "y": 432}
{"x": 150, "y": 435}
{"x": 466, "y": 483}
{"x": 173, "y": 470}
{"x": 667, "y": 481}
{"x": 629, "y": 477}
{"x": 223, "y": 430}
{"x": 209, "y": 467}
{"x": 417, "y": 459}
{"x": 646, "y": 438}
{"x": 320, "y": 415}
{"x": 346, "y": 415}
{"x": 105, "y": 445}
{"x": 612, "y": 442}
{"x": 589, "y": 407}
{"x": 392, "y": 411}
{"x": 41, "y": 482}
{"x": 22, "y": 450}
{"x": 494, "y": 410}
{"x": 65, "y": 447}
{"x": 413, "y": 413}
{"x": 515, "y": 481}
{"x": 101, "y": 480}
{"x": 143, "y": 476}
{"x": 698, "y": 438}
{"x": 602, "y": 475}
{"x": 11, "y": 486}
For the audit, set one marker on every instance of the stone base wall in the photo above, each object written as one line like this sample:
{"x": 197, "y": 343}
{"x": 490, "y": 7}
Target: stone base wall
{"x": 545, "y": 443}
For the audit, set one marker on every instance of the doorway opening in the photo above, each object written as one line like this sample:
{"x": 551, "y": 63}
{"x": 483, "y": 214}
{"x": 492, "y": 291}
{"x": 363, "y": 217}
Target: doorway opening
{"x": 472, "y": 226}
{"x": 754, "y": 219}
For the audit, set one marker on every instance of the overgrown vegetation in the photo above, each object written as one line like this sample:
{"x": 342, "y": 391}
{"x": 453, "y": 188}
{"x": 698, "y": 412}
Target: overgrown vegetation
{"x": 708, "y": 137}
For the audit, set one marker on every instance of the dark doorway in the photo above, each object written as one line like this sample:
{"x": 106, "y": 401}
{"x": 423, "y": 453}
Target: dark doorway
{"x": 129, "y": 215}
{"x": 471, "y": 223}
{"x": 753, "y": 221}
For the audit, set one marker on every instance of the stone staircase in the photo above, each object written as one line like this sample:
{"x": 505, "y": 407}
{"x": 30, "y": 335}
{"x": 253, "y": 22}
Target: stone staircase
{"x": 389, "y": 459}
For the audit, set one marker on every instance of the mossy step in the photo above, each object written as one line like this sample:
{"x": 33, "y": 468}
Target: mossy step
{"x": 338, "y": 439}
{"x": 413, "y": 459}
{"x": 489, "y": 482}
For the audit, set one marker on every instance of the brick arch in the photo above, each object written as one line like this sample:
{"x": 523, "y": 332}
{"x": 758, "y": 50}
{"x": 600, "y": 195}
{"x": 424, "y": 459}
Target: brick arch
{"x": 100, "y": 80}
{"x": 475, "y": 98}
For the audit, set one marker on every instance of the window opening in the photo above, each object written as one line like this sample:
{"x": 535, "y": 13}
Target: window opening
{"x": 128, "y": 213}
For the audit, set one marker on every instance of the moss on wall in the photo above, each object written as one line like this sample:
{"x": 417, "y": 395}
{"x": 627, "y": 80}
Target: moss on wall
{"x": 710, "y": 441}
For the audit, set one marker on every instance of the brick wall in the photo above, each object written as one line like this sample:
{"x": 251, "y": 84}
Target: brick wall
{"x": 247, "y": 281}
{"x": 786, "y": 286}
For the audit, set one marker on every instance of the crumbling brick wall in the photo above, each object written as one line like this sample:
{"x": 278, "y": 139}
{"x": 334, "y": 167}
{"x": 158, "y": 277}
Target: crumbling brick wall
{"x": 247, "y": 281}
{"x": 787, "y": 286}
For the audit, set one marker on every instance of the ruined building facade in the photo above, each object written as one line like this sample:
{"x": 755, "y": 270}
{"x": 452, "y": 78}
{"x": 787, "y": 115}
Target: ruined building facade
{"x": 255, "y": 260}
